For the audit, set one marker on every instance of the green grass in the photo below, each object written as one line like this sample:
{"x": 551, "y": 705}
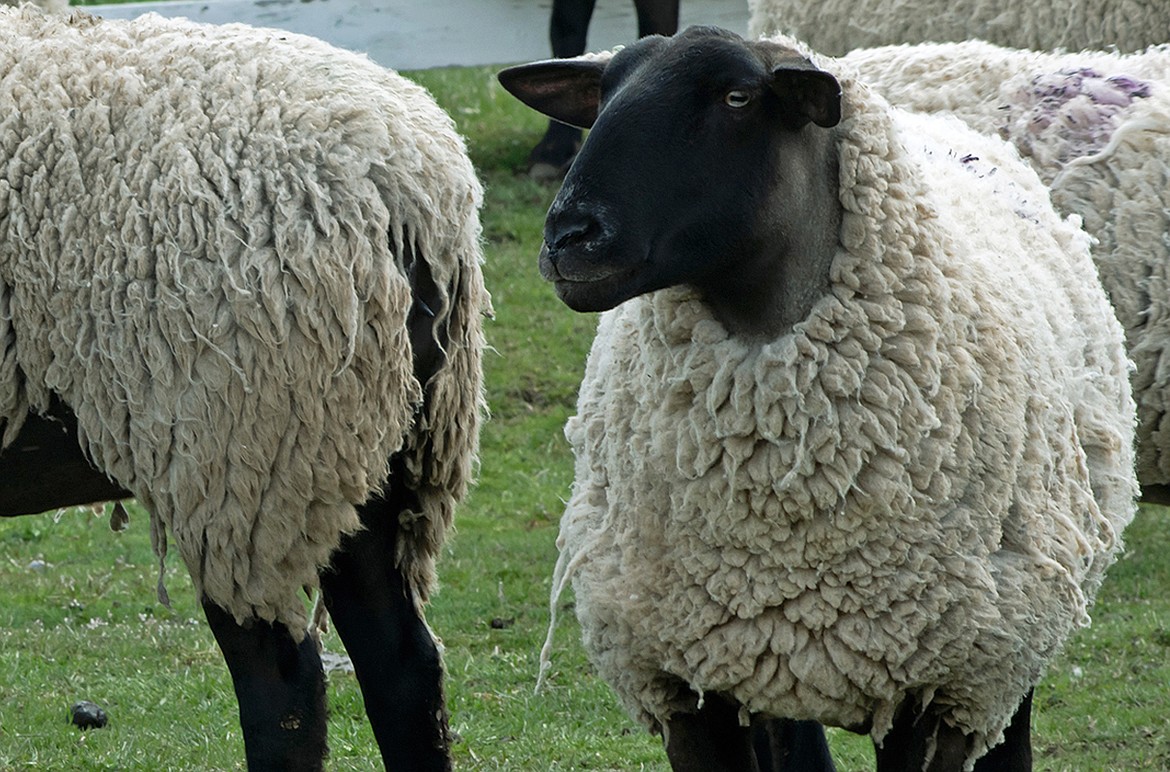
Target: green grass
{"x": 87, "y": 626}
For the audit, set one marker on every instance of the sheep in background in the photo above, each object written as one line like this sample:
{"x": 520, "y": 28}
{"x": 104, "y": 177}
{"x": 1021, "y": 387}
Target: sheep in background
{"x": 1096, "y": 127}
{"x": 854, "y": 441}
{"x": 240, "y": 281}
{"x": 837, "y": 26}
{"x": 53, "y": 6}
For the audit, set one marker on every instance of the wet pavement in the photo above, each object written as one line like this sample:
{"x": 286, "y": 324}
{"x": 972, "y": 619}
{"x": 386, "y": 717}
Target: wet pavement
{"x": 417, "y": 34}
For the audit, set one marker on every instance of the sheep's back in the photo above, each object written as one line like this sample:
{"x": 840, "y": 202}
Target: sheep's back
{"x": 838, "y": 26}
{"x": 204, "y": 253}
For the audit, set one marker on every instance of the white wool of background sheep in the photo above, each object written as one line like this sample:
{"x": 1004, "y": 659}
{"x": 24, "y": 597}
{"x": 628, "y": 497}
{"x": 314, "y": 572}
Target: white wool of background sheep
{"x": 838, "y": 26}
{"x": 915, "y": 492}
{"x": 1096, "y": 127}
{"x": 53, "y": 6}
{"x": 202, "y": 242}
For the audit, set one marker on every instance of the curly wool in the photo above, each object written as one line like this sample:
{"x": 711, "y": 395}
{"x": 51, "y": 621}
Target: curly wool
{"x": 913, "y": 494}
{"x": 205, "y": 232}
{"x": 838, "y": 26}
{"x": 1096, "y": 127}
{"x": 52, "y": 6}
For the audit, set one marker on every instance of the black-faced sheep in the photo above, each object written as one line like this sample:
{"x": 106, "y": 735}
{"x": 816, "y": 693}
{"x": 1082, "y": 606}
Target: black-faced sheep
{"x": 854, "y": 441}
{"x": 240, "y": 281}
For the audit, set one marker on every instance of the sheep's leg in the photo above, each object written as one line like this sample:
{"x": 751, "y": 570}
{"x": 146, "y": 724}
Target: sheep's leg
{"x": 710, "y": 739}
{"x": 786, "y": 745}
{"x": 908, "y": 744}
{"x": 45, "y": 468}
{"x": 393, "y": 651}
{"x": 1014, "y": 754}
{"x": 280, "y": 688}
{"x": 656, "y": 17}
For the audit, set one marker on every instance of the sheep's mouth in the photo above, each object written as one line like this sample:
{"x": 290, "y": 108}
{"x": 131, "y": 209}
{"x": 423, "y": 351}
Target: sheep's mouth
{"x": 583, "y": 284}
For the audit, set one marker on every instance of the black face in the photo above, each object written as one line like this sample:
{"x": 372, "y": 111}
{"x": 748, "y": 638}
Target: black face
{"x": 693, "y": 139}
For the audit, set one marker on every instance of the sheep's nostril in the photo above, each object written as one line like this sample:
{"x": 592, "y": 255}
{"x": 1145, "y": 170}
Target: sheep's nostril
{"x": 567, "y": 228}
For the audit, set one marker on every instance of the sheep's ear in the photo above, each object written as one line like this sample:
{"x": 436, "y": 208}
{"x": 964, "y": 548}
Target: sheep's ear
{"x": 567, "y": 90}
{"x": 810, "y": 94}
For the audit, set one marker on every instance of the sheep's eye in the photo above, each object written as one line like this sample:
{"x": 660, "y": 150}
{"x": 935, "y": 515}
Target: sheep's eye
{"x": 737, "y": 98}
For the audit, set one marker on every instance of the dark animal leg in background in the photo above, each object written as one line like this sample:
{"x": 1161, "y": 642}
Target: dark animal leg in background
{"x": 1156, "y": 494}
{"x": 568, "y": 32}
{"x": 709, "y": 740}
{"x": 569, "y": 26}
{"x": 52, "y": 469}
{"x": 1014, "y": 754}
{"x": 657, "y": 17}
{"x": 393, "y": 652}
{"x": 785, "y": 745}
{"x": 281, "y": 692}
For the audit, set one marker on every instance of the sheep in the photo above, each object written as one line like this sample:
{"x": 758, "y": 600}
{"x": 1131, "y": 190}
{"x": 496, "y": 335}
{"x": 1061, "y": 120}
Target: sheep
{"x": 854, "y": 439}
{"x": 240, "y": 281}
{"x": 1096, "y": 128}
{"x": 52, "y": 6}
{"x": 838, "y": 26}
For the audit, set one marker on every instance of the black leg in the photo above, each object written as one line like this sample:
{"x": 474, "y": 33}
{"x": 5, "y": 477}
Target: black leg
{"x": 785, "y": 745}
{"x": 394, "y": 655}
{"x": 569, "y": 26}
{"x": 918, "y": 736}
{"x": 1014, "y": 754}
{"x": 657, "y": 17}
{"x": 709, "y": 740}
{"x": 555, "y": 151}
{"x": 280, "y": 688}
{"x": 45, "y": 468}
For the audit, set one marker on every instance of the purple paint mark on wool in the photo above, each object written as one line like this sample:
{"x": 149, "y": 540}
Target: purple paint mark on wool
{"x": 1064, "y": 115}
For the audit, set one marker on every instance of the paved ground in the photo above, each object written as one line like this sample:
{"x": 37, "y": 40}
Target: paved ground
{"x": 416, "y": 34}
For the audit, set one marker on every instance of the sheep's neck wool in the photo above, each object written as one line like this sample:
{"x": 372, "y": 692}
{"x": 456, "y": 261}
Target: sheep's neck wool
{"x": 882, "y": 503}
{"x": 203, "y": 253}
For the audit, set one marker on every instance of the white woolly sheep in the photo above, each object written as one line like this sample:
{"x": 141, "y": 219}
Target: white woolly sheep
{"x": 53, "y": 6}
{"x": 856, "y": 445}
{"x": 1096, "y": 127}
{"x": 837, "y": 26}
{"x": 240, "y": 281}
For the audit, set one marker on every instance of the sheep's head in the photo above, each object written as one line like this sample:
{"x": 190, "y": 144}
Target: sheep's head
{"x": 709, "y": 163}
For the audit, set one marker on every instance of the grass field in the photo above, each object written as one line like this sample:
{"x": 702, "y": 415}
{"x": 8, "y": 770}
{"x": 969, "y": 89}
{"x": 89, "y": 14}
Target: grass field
{"x": 78, "y": 617}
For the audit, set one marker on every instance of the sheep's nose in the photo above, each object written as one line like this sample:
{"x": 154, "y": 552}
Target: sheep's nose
{"x": 570, "y": 227}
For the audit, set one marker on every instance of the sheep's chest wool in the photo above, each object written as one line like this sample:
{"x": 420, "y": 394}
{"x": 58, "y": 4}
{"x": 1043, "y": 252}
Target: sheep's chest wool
{"x": 205, "y": 241}
{"x": 914, "y": 492}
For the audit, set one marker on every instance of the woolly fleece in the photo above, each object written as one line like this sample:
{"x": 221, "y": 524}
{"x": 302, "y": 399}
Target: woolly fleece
{"x": 838, "y": 26}
{"x": 53, "y": 6}
{"x": 203, "y": 241}
{"x": 1096, "y": 127}
{"x": 913, "y": 494}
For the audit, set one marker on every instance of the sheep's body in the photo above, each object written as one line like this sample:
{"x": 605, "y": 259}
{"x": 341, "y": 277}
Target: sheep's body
{"x": 208, "y": 265}
{"x": 1096, "y": 127}
{"x": 838, "y": 26}
{"x": 248, "y": 264}
{"x": 912, "y": 495}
